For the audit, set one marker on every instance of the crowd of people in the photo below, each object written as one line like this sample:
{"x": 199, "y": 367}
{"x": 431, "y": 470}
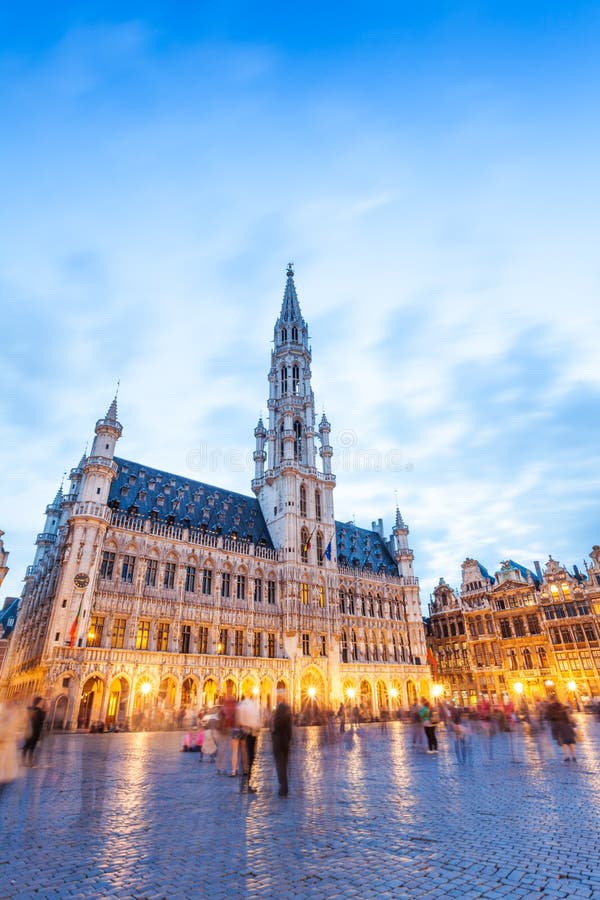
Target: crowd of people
{"x": 228, "y": 739}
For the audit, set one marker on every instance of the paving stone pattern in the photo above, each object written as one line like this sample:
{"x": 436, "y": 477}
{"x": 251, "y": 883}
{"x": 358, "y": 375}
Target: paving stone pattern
{"x": 368, "y": 816}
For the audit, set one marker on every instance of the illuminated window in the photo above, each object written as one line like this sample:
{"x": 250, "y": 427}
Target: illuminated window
{"x": 271, "y": 645}
{"x": 321, "y": 595}
{"x": 238, "y": 643}
{"x": 186, "y": 634}
{"x": 304, "y": 592}
{"x": 118, "y": 634}
{"x": 162, "y": 640}
{"x": 257, "y": 644}
{"x": 306, "y": 645}
{"x": 141, "y": 640}
{"x": 304, "y": 545}
{"x": 96, "y": 627}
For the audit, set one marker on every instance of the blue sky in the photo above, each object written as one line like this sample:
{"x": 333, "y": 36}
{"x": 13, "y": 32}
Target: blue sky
{"x": 431, "y": 169}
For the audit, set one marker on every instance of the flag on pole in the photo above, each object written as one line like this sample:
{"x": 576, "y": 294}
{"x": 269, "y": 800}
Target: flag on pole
{"x": 327, "y": 552}
{"x": 431, "y": 660}
{"x": 73, "y": 631}
{"x": 307, "y": 545}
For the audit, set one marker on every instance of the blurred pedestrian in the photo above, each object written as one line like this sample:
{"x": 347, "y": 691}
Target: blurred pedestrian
{"x": 429, "y": 721}
{"x": 563, "y": 728}
{"x": 281, "y": 737}
{"x": 33, "y": 730}
{"x": 248, "y": 719}
{"x": 9, "y": 761}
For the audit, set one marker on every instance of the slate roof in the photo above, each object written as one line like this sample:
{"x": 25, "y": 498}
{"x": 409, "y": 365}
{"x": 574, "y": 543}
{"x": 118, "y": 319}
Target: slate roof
{"x": 175, "y": 500}
{"x": 526, "y": 573}
{"x": 360, "y": 548}
{"x": 485, "y": 573}
{"x": 8, "y": 617}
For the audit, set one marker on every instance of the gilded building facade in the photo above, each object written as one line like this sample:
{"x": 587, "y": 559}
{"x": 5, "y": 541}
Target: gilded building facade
{"x": 521, "y": 633}
{"x": 151, "y": 592}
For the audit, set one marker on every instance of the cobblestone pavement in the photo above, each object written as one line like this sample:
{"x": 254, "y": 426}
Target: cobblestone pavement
{"x": 129, "y": 816}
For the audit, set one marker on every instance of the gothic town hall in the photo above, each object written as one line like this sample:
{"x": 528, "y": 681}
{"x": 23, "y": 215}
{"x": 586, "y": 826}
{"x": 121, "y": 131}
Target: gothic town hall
{"x": 151, "y": 592}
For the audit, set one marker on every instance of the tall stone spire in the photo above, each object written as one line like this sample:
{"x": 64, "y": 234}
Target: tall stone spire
{"x": 295, "y": 497}
{"x": 290, "y": 308}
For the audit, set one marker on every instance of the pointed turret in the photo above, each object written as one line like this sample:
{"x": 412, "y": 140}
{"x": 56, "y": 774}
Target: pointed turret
{"x": 290, "y": 308}
{"x": 99, "y": 468}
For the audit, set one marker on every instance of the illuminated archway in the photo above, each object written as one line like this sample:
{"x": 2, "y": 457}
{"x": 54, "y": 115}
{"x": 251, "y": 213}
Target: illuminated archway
{"x": 91, "y": 698}
{"x": 366, "y": 700}
{"x": 312, "y": 696}
{"x": 116, "y": 713}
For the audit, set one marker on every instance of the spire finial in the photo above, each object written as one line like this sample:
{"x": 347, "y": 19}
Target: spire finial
{"x": 290, "y": 270}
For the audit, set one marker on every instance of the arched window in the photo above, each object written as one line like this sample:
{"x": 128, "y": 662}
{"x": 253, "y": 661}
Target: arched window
{"x": 375, "y": 648}
{"x": 342, "y": 602}
{"x": 318, "y": 506}
{"x": 351, "y": 603}
{"x": 395, "y": 648}
{"x": 527, "y": 660}
{"x": 512, "y": 660}
{"x": 284, "y": 334}
{"x": 344, "y": 647}
{"x": 319, "y": 548}
{"x": 543, "y": 657}
{"x": 379, "y": 607}
{"x": 304, "y": 544}
{"x": 302, "y": 500}
{"x": 367, "y": 654}
{"x": 371, "y": 607}
{"x": 281, "y": 443}
{"x": 284, "y": 380}
{"x": 354, "y": 646}
{"x": 295, "y": 379}
{"x": 294, "y": 333}
{"x": 297, "y": 440}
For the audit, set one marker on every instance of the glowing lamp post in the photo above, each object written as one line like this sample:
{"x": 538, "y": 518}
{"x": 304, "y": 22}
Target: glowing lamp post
{"x": 436, "y": 691}
{"x": 572, "y": 688}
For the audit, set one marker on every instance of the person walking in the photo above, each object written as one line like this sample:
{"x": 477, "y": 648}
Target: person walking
{"x": 563, "y": 728}
{"x": 248, "y": 714}
{"x": 427, "y": 717}
{"x": 9, "y": 761}
{"x": 281, "y": 737}
{"x": 33, "y": 731}
{"x": 341, "y": 714}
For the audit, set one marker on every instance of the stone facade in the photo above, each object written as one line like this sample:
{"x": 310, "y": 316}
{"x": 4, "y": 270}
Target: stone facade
{"x": 523, "y": 633}
{"x": 151, "y": 593}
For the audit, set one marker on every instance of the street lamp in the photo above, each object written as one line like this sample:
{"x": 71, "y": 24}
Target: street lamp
{"x": 437, "y": 690}
{"x": 572, "y": 688}
{"x": 145, "y": 688}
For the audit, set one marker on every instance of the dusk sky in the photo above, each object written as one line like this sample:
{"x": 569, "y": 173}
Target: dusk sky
{"x": 432, "y": 170}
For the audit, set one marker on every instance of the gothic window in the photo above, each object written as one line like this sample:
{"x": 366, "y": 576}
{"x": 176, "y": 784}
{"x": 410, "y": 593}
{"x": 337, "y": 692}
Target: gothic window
{"x": 270, "y": 592}
{"x": 169, "y": 576}
{"x": 284, "y": 334}
{"x": 151, "y": 571}
{"x": 271, "y": 645}
{"x": 305, "y": 644}
{"x": 225, "y": 584}
{"x": 240, "y": 587}
{"x": 162, "y": 640}
{"x": 238, "y": 646}
{"x": 543, "y": 658}
{"x": 222, "y": 646}
{"x": 351, "y": 603}
{"x": 297, "y": 440}
{"x": 321, "y": 595}
{"x": 186, "y": 634}
{"x": 203, "y": 639}
{"x": 363, "y": 606}
{"x": 207, "y": 581}
{"x": 319, "y": 548}
{"x": 258, "y": 590}
{"x": 344, "y": 647}
{"x": 512, "y": 660}
{"x": 302, "y": 500}
{"x": 141, "y": 641}
{"x": 304, "y": 544}
{"x": 94, "y": 635}
{"x": 284, "y": 380}
{"x": 371, "y": 607}
{"x": 190, "y": 579}
{"x": 379, "y": 607}
{"x": 127, "y": 569}
{"x": 294, "y": 333}
{"x": 354, "y": 646}
{"x": 295, "y": 379}
{"x": 367, "y": 654}
{"x": 281, "y": 448}
{"x": 118, "y": 634}
{"x": 395, "y": 648}
{"x": 304, "y": 592}
{"x": 342, "y": 602}
{"x": 527, "y": 660}
{"x": 323, "y": 645}
{"x": 318, "y": 506}
{"x": 107, "y": 565}
{"x": 257, "y": 648}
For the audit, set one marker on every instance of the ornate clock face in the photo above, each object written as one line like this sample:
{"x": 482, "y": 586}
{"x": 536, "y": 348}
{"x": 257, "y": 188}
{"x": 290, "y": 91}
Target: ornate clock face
{"x": 81, "y": 580}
